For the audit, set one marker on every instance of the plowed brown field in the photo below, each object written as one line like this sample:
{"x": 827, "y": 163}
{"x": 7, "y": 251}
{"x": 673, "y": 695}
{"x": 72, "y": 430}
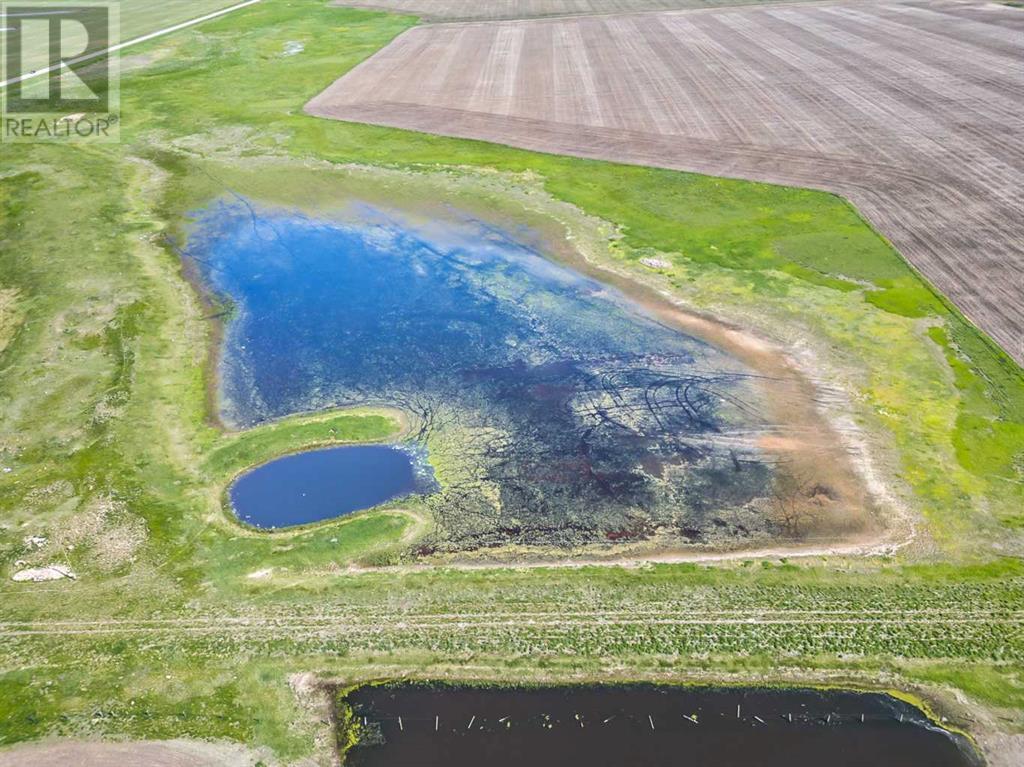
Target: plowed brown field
{"x": 479, "y": 10}
{"x": 914, "y": 111}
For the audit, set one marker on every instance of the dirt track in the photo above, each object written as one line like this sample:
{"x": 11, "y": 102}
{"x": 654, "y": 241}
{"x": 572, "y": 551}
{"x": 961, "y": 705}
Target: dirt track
{"x": 171, "y": 753}
{"x": 493, "y": 10}
{"x": 912, "y": 110}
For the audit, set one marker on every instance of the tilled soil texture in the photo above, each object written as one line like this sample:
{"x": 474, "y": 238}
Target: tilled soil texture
{"x": 913, "y": 111}
{"x": 496, "y": 10}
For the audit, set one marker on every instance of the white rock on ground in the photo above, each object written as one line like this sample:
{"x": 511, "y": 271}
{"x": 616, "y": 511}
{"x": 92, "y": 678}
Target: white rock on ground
{"x": 48, "y": 573}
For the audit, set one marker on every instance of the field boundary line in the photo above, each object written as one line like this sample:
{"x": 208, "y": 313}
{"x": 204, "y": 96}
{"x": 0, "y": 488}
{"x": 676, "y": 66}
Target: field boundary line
{"x": 133, "y": 41}
{"x": 425, "y": 19}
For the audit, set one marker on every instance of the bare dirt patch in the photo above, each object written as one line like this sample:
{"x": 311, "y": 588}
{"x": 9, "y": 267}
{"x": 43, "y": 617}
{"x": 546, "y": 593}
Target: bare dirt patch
{"x": 104, "y": 532}
{"x": 910, "y": 110}
{"x": 1002, "y": 749}
{"x": 9, "y": 317}
{"x": 41, "y": 574}
{"x": 172, "y": 753}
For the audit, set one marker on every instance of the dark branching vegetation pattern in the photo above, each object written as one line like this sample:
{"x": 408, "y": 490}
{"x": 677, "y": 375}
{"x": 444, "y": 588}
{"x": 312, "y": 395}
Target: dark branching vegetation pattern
{"x": 556, "y": 410}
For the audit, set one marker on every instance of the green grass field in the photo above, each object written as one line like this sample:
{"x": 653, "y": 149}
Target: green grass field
{"x": 134, "y": 18}
{"x": 183, "y": 623}
{"x": 140, "y": 17}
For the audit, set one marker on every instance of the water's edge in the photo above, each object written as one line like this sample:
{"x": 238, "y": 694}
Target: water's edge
{"x": 368, "y": 716}
{"x": 267, "y": 496}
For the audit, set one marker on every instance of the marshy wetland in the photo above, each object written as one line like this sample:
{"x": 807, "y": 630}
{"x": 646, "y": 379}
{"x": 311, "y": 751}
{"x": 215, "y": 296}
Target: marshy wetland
{"x": 555, "y": 409}
{"x": 401, "y": 725}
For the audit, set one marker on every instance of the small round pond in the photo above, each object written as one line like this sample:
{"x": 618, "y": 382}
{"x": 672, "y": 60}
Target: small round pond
{"x": 323, "y": 484}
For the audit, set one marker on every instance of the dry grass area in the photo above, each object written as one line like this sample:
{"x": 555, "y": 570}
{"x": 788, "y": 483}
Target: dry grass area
{"x": 911, "y": 110}
{"x": 497, "y": 10}
{"x": 9, "y": 318}
{"x": 171, "y": 753}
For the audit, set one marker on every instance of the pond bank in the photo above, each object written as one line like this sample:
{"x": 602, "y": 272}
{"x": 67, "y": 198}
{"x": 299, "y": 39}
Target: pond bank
{"x": 328, "y": 483}
{"x": 713, "y": 406}
{"x": 641, "y": 724}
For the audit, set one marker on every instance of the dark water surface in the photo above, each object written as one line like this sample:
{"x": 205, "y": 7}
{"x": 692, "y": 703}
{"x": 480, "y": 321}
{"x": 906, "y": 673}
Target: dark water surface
{"x": 560, "y": 411}
{"x": 644, "y": 726}
{"x": 323, "y": 484}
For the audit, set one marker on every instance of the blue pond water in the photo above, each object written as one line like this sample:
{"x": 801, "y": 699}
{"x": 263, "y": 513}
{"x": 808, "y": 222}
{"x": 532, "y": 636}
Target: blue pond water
{"x": 323, "y": 484}
{"x": 561, "y": 412}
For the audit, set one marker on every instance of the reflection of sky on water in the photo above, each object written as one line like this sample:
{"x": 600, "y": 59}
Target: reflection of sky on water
{"x": 324, "y": 484}
{"x": 554, "y": 405}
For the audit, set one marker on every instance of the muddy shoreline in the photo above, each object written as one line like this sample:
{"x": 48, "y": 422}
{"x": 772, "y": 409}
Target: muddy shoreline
{"x": 805, "y": 437}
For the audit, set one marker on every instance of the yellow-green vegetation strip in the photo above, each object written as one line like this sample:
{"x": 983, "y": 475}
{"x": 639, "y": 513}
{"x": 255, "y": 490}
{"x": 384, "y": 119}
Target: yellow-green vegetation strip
{"x": 673, "y": 623}
{"x": 195, "y": 632}
{"x": 235, "y": 452}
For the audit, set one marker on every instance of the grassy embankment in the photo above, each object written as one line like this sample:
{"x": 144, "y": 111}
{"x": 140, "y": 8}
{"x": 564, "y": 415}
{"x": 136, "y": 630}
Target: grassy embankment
{"x": 104, "y": 425}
